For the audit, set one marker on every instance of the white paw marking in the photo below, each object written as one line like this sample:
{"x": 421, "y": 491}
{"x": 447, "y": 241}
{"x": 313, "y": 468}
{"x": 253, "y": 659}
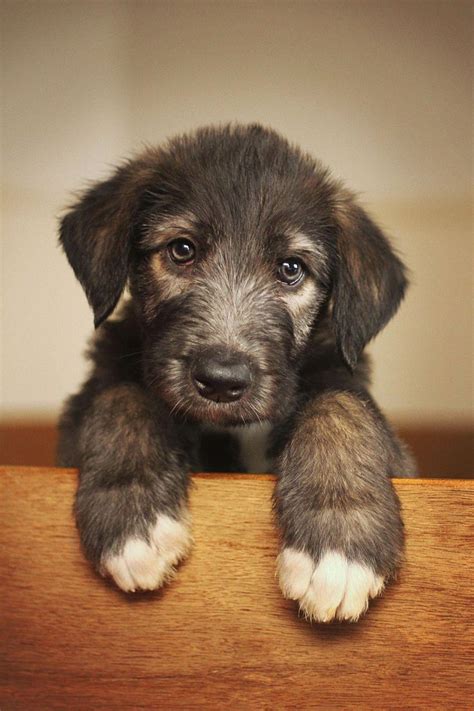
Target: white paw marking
{"x": 146, "y": 566}
{"x": 334, "y": 588}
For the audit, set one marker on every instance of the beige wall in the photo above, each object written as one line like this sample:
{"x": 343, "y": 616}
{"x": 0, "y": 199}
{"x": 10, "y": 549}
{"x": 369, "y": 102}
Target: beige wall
{"x": 380, "y": 91}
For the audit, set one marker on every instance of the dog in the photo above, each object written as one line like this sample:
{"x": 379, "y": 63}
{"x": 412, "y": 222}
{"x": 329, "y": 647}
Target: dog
{"x": 255, "y": 281}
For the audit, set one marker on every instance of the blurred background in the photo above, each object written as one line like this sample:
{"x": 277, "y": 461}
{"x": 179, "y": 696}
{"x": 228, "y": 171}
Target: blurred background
{"x": 380, "y": 91}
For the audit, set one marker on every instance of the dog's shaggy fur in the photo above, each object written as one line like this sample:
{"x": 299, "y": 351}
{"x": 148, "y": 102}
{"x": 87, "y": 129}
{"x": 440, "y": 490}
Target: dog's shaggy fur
{"x": 256, "y": 281}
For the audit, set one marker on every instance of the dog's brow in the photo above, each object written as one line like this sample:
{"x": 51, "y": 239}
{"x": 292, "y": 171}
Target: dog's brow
{"x": 162, "y": 231}
{"x": 301, "y": 244}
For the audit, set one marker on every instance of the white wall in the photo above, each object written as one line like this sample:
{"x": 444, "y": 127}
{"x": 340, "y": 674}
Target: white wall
{"x": 381, "y": 91}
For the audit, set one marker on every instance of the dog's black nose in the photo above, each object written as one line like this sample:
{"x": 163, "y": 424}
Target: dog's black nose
{"x": 221, "y": 376}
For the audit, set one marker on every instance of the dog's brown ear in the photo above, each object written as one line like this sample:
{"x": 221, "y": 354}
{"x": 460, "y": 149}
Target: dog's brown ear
{"x": 369, "y": 281}
{"x": 97, "y": 232}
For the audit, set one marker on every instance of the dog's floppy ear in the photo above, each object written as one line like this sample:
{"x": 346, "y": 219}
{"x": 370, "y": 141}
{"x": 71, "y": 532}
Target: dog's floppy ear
{"x": 369, "y": 280}
{"x": 97, "y": 232}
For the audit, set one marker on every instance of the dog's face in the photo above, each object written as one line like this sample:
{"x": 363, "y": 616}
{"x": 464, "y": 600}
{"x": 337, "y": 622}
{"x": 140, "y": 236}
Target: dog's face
{"x": 232, "y": 242}
{"x": 228, "y": 308}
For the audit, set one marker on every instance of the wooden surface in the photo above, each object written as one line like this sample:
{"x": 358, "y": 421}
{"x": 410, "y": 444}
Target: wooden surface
{"x": 440, "y": 449}
{"x": 221, "y": 636}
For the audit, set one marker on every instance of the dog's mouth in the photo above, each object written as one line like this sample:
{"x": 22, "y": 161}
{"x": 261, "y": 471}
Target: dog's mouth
{"x": 194, "y": 407}
{"x": 224, "y": 414}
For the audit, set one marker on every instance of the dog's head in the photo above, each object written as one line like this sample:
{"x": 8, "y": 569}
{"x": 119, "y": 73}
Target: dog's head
{"x": 232, "y": 242}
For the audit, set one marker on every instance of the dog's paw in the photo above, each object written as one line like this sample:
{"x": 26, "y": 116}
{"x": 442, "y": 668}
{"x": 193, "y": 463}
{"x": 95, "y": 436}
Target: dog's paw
{"x": 143, "y": 565}
{"x": 332, "y": 588}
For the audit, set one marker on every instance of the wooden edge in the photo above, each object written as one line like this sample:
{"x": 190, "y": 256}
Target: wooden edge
{"x": 399, "y": 482}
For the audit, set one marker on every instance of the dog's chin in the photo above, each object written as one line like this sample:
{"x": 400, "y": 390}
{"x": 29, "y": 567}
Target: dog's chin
{"x": 224, "y": 416}
{"x": 199, "y": 410}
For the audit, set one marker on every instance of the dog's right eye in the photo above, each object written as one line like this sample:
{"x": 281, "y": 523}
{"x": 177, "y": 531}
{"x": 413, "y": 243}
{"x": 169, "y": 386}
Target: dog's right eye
{"x": 291, "y": 271}
{"x": 182, "y": 251}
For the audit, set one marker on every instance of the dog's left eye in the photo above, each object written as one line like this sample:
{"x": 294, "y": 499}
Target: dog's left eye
{"x": 182, "y": 251}
{"x": 291, "y": 271}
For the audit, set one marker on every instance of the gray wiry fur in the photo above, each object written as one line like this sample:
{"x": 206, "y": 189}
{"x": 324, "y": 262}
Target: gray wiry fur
{"x": 247, "y": 200}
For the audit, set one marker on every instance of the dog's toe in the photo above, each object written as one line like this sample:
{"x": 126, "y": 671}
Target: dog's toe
{"x": 143, "y": 565}
{"x": 362, "y": 584}
{"x": 333, "y": 588}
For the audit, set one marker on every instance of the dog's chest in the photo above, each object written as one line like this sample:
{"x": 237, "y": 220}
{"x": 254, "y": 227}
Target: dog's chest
{"x": 236, "y": 448}
{"x": 253, "y": 444}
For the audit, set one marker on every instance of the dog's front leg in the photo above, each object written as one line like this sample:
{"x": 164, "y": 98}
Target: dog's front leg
{"x": 131, "y": 502}
{"x": 339, "y": 514}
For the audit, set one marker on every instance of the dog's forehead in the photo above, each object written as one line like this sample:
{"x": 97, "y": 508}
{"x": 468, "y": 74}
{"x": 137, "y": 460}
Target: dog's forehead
{"x": 242, "y": 178}
{"x": 264, "y": 213}
{"x": 244, "y": 187}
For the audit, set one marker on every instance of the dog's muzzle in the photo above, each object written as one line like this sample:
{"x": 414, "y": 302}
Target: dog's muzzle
{"x": 220, "y": 374}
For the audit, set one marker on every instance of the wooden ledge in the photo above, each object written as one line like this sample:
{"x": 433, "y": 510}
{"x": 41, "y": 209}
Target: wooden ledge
{"x": 220, "y": 635}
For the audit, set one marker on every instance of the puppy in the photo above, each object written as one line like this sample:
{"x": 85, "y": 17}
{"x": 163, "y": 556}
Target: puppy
{"x": 255, "y": 283}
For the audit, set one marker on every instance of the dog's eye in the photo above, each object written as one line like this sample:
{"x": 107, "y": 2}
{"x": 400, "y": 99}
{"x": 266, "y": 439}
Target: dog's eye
{"x": 182, "y": 251}
{"x": 291, "y": 271}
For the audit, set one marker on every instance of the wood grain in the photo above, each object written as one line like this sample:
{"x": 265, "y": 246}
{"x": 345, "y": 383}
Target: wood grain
{"x": 220, "y": 636}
